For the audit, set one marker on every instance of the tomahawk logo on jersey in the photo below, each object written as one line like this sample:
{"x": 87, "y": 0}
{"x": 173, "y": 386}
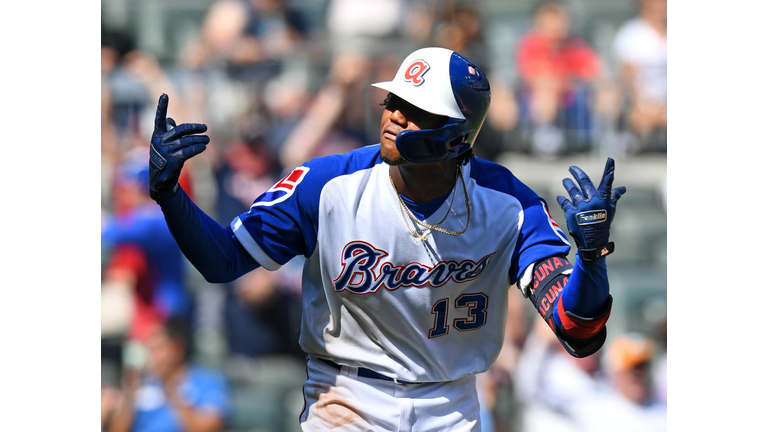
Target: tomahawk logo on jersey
{"x": 439, "y": 293}
{"x": 283, "y": 189}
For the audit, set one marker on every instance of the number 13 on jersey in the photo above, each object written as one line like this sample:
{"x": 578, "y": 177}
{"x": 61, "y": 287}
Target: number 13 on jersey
{"x": 475, "y": 305}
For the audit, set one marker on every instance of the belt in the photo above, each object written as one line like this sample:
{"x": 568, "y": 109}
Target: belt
{"x": 367, "y": 373}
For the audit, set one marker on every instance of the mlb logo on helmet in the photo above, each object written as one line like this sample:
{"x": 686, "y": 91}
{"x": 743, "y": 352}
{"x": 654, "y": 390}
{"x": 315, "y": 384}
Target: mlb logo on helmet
{"x": 414, "y": 74}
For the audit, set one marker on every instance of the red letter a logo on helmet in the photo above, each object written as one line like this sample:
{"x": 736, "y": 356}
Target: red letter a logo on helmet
{"x": 415, "y": 72}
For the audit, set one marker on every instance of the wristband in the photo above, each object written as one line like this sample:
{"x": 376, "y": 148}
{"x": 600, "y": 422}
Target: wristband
{"x": 592, "y": 255}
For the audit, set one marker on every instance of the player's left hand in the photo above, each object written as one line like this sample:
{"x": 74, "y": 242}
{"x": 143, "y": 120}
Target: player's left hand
{"x": 170, "y": 147}
{"x": 590, "y": 211}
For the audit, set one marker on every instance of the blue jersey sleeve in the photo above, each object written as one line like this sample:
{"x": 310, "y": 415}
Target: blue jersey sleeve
{"x": 540, "y": 236}
{"x": 282, "y": 222}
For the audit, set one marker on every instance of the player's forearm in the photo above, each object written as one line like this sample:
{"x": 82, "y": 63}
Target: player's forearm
{"x": 575, "y": 304}
{"x": 587, "y": 290}
{"x": 582, "y": 308}
{"x": 211, "y": 248}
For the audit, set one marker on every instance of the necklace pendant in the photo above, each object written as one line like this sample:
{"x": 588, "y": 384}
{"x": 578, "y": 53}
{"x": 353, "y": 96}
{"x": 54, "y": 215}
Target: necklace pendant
{"x": 419, "y": 237}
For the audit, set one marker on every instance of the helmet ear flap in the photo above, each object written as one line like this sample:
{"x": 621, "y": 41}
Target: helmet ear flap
{"x": 434, "y": 145}
{"x": 458, "y": 141}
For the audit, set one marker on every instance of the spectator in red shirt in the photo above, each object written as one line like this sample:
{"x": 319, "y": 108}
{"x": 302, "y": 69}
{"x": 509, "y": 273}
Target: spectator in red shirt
{"x": 556, "y": 70}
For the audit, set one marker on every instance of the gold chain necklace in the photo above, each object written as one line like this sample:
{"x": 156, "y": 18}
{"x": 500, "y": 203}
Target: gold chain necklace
{"x": 419, "y": 234}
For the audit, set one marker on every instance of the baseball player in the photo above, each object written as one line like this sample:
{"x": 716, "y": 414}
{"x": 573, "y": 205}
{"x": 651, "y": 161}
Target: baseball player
{"x": 411, "y": 246}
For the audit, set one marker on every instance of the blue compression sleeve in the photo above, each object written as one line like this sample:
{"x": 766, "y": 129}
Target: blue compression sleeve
{"x": 211, "y": 248}
{"x": 586, "y": 292}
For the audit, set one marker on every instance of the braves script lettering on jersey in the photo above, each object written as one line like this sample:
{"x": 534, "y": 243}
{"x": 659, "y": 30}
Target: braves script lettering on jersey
{"x": 361, "y": 259}
{"x": 442, "y": 312}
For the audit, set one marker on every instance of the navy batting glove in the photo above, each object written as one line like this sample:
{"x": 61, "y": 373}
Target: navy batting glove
{"x": 171, "y": 145}
{"x": 590, "y": 211}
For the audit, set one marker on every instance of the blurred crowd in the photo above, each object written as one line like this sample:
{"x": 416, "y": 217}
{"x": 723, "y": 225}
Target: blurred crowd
{"x": 277, "y": 86}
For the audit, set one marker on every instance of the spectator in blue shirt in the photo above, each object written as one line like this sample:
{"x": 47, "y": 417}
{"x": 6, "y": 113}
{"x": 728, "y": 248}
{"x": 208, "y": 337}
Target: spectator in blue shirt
{"x": 173, "y": 395}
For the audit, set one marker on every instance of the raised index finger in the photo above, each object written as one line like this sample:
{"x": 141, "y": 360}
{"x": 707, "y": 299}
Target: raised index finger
{"x": 162, "y": 109}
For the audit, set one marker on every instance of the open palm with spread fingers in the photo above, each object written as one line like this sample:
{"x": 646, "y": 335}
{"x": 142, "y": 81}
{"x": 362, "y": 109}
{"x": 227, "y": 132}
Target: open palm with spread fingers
{"x": 590, "y": 211}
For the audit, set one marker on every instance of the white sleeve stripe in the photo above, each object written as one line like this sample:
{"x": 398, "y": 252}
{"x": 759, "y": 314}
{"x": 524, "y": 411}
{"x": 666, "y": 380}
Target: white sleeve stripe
{"x": 524, "y": 285}
{"x": 251, "y": 246}
{"x": 552, "y": 224}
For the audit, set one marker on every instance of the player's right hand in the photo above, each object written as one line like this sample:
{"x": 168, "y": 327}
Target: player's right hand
{"x": 170, "y": 146}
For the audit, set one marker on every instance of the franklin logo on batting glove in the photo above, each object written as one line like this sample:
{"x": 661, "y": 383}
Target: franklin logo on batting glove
{"x": 591, "y": 217}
